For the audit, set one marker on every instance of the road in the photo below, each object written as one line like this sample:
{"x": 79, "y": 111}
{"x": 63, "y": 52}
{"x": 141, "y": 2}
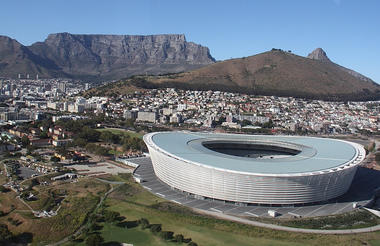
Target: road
{"x": 285, "y": 228}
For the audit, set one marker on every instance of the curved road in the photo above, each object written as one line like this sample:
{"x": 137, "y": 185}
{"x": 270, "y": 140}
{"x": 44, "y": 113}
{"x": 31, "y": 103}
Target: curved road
{"x": 286, "y": 228}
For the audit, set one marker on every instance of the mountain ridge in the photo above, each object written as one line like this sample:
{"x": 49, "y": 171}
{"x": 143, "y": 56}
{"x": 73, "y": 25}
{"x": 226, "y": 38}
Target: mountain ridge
{"x": 320, "y": 54}
{"x": 110, "y": 56}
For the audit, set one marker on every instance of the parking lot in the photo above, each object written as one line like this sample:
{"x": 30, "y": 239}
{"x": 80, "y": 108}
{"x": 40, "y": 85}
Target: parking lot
{"x": 360, "y": 192}
{"x": 27, "y": 172}
{"x": 100, "y": 168}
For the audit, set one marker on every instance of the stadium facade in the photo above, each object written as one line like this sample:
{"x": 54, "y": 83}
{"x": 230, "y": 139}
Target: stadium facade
{"x": 254, "y": 169}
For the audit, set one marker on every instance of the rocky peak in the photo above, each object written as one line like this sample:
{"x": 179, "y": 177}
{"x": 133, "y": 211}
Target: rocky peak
{"x": 8, "y": 44}
{"x": 319, "y": 54}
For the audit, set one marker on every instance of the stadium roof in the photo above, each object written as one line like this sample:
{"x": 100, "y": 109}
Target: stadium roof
{"x": 317, "y": 154}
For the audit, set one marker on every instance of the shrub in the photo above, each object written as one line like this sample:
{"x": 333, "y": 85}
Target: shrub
{"x": 3, "y": 189}
{"x": 4, "y": 232}
{"x": 144, "y": 223}
{"x": 111, "y": 216}
{"x": 155, "y": 228}
{"x": 166, "y": 235}
{"x": 55, "y": 159}
{"x": 178, "y": 238}
{"x": 94, "y": 240}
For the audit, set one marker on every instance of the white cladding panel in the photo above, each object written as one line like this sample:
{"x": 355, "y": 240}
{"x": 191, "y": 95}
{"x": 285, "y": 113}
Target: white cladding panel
{"x": 251, "y": 188}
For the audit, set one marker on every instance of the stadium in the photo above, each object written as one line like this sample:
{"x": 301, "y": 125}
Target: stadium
{"x": 254, "y": 169}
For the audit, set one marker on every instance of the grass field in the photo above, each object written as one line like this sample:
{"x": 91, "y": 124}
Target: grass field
{"x": 134, "y": 202}
{"x": 122, "y": 132}
{"x": 135, "y": 236}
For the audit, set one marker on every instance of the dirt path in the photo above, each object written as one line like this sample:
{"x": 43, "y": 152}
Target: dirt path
{"x": 79, "y": 231}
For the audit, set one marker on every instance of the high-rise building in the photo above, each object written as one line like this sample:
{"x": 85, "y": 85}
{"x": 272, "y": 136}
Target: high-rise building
{"x": 62, "y": 87}
{"x": 129, "y": 114}
{"x": 147, "y": 116}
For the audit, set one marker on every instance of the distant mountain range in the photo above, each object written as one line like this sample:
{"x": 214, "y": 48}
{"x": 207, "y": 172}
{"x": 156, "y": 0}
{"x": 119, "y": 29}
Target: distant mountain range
{"x": 170, "y": 61}
{"x": 101, "y": 56}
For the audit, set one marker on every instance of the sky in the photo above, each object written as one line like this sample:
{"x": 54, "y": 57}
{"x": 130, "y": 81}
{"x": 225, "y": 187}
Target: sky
{"x": 348, "y": 30}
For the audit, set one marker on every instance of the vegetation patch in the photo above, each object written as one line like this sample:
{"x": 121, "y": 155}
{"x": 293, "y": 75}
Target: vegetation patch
{"x": 205, "y": 230}
{"x": 351, "y": 220}
{"x": 76, "y": 207}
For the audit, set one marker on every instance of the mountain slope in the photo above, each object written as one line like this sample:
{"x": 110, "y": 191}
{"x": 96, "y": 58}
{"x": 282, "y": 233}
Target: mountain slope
{"x": 320, "y": 54}
{"x": 275, "y": 73}
{"x": 102, "y": 56}
{"x": 16, "y": 58}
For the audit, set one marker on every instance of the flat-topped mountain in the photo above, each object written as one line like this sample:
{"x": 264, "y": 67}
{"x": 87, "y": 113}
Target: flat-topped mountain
{"x": 274, "y": 72}
{"x": 106, "y": 56}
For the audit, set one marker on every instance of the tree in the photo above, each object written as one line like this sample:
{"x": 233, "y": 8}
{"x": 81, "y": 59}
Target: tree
{"x": 80, "y": 142}
{"x": 166, "y": 235}
{"x": 221, "y": 120}
{"x": 44, "y": 134}
{"x": 106, "y": 136}
{"x": 246, "y": 123}
{"x": 178, "y": 238}
{"x": 30, "y": 149}
{"x": 25, "y": 141}
{"x": 34, "y": 182}
{"x": 144, "y": 223}
{"x": 5, "y": 234}
{"x": 155, "y": 228}
{"x": 111, "y": 216}
{"x": 3, "y": 189}
{"x": 55, "y": 159}
{"x": 94, "y": 240}
{"x": 268, "y": 124}
{"x": 129, "y": 123}
{"x": 89, "y": 134}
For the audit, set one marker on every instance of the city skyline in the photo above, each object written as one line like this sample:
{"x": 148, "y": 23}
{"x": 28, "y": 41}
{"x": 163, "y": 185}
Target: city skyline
{"x": 346, "y": 30}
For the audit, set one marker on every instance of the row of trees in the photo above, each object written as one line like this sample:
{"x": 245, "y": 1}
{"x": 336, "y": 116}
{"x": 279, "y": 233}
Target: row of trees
{"x": 166, "y": 235}
{"x": 94, "y": 238}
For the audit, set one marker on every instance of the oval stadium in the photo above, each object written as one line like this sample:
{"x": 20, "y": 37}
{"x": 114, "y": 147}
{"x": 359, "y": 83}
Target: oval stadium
{"x": 254, "y": 169}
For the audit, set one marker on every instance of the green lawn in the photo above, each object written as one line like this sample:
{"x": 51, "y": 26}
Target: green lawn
{"x": 200, "y": 232}
{"x": 122, "y": 132}
{"x": 134, "y": 202}
{"x": 135, "y": 236}
{"x": 140, "y": 237}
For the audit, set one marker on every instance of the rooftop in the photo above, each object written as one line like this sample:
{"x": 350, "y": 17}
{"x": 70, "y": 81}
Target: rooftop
{"x": 316, "y": 154}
